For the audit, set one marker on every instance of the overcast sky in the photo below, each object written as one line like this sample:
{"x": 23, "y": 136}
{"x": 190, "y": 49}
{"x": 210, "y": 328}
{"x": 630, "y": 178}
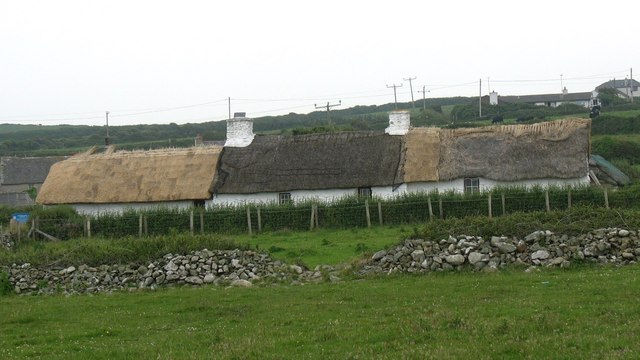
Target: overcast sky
{"x": 178, "y": 61}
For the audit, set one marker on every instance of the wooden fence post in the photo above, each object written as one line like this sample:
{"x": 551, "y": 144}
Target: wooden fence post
{"x": 201, "y": 222}
{"x": 191, "y": 222}
{"x": 380, "y": 212}
{"x": 606, "y": 198}
{"x": 546, "y": 200}
{"x": 430, "y": 208}
{"x": 366, "y": 207}
{"x": 569, "y": 199}
{"x": 89, "y": 227}
{"x": 315, "y": 216}
{"x": 440, "y": 208}
{"x": 140, "y": 226}
{"x": 311, "y": 220}
{"x": 489, "y": 201}
{"x": 249, "y": 220}
{"x": 504, "y": 205}
{"x": 146, "y": 226}
{"x": 259, "y": 221}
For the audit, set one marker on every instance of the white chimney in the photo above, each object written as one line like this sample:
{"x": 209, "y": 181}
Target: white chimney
{"x": 399, "y": 122}
{"x": 493, "y": 98}
{"x": 239, "y": 131}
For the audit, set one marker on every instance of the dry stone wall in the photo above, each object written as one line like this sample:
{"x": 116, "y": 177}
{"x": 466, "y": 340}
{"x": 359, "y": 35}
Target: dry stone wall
{"x": 538, "y": 249}
{"x": 223, "y": 267}
{"x": 244, "y": 267}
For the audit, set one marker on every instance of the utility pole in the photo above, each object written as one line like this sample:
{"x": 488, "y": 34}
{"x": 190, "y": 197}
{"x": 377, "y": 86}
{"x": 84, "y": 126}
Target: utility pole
{"x": 229, "y": 102}
{"x": 395, "y": 97}
{"x": 328, "y": 107}
{"x": 413, "y": 105}
{"x": 480, "y": 100}
{"x": 424, "y": 95}
{"x": 106, "y": 140}
{"x": 631, "y": 70}
{"x": 561, "y": 87}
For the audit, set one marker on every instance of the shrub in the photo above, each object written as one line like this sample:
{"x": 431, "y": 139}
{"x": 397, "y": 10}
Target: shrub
{"x": 5, "y": 285}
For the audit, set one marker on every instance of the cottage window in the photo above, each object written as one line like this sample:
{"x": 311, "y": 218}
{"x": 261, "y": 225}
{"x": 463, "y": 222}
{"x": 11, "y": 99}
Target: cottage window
{"x": 284, "y": 198}
{"x": 364, "y": 192}
{"x": 471, "y": 185}
{"x": 198, "y": 203}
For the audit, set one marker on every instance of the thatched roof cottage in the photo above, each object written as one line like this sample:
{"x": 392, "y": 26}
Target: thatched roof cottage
{"x": 114, "y": 181}
{"x": 274, "y": 168}
{"x": 400, "y": 160}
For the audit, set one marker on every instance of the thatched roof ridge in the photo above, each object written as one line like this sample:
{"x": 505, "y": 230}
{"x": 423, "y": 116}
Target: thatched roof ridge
{"x": 132, "y": 176}
{"x": 311, "y": 162}
{"x": 556, "y": 149}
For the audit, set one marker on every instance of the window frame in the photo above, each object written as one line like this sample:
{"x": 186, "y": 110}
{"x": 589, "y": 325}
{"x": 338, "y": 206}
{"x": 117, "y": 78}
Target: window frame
{"x": 284, "y": 198}
{"x": 365, "y": 192}
{"x": 471, "y": 185}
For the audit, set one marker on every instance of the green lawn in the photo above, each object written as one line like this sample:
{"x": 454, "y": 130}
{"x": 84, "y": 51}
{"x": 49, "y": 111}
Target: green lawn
{"x": 590, "y": 312}
{"x": 325, "y": 246}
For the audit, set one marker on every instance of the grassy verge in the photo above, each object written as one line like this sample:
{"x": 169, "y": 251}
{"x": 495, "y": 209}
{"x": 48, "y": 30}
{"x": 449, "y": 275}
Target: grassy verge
{"x": 311, "y": 248}
{"x": 590, "y": 312}
{"x": 320, "y": 246}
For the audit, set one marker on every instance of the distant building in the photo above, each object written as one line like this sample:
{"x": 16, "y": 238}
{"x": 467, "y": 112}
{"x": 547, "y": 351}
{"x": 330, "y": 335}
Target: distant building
{"x": 586, "y": 99}
{"x": 626, "y": 88}
{"x": 21, "y": 175}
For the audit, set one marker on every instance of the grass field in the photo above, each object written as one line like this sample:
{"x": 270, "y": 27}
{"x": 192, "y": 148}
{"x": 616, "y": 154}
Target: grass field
{"x": 591, "y": 312}
{"x": 325, "y": 246}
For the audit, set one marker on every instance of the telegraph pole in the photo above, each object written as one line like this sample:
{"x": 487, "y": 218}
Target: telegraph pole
{"x": 395, "y": 97}
{"x": 413, "y": 105}
{"x": 106, "y": 140}
{"x": 328, "y": 107}
{"x": 229, "y": 102}
{"x": 480, "y": 100}
{"x": 631, "y": 70}
{"x": 424, "y": 95}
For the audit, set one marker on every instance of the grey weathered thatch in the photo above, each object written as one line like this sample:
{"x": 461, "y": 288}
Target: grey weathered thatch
{"x": 555, "y": 149}
{"x": 25, "y": 170}
{"x": 311, "y": 162}
{"x": 129, "y": 177}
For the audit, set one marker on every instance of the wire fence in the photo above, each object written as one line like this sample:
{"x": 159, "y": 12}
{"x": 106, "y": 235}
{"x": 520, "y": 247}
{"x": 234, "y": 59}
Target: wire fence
{"x": 347, "y": 213}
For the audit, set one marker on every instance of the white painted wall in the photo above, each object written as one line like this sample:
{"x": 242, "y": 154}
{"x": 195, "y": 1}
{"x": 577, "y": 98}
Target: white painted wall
{"x": 326, "y": 195}
{"x": 387, "y": 192}
{"x": 94, "y": 209}
{"x": 457, "y": 185}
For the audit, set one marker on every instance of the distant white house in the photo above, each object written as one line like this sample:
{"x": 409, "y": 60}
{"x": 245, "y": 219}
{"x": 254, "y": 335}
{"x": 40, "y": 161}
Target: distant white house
{"x": 586, "y": 99}
{"x": 626, "y": 88}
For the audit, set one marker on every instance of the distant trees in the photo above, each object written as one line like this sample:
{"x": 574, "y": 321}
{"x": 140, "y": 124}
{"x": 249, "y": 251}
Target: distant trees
{"x": 610, "y": 97}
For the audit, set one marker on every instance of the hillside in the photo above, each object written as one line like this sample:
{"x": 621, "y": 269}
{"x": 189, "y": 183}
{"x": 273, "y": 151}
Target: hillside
{"x": 37, "y": 140}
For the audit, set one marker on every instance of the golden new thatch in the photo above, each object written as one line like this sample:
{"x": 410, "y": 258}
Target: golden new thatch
{"x": 130, "y": 177}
